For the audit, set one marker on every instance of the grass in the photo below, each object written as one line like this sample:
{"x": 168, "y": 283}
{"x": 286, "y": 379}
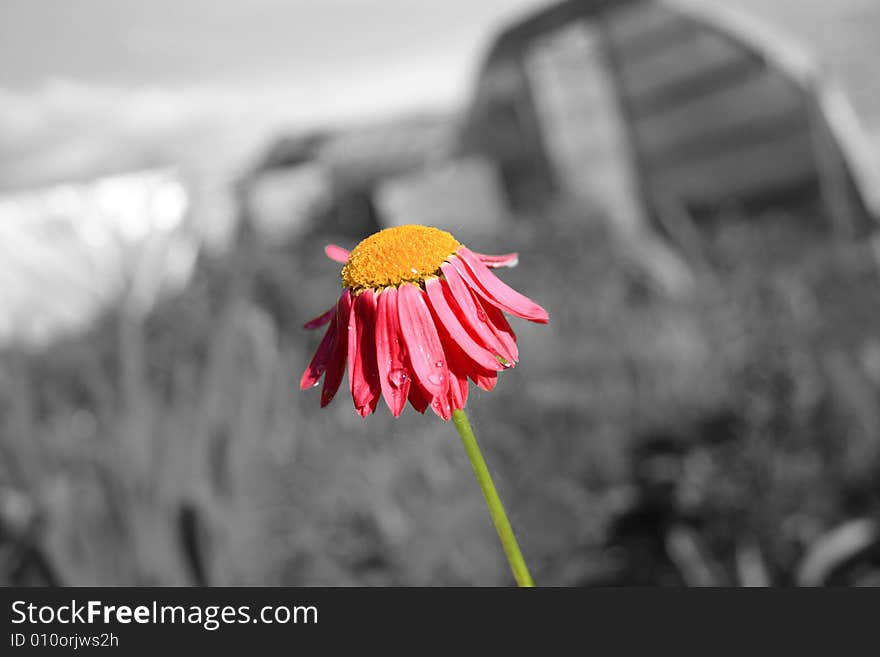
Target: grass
{"x": 139, "y": 440}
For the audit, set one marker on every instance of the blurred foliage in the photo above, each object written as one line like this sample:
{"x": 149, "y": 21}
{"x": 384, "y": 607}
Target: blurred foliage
{"x": 707, "y": 430}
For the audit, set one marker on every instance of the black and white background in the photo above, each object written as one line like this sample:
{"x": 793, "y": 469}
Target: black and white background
{"x": 693, "y": 191}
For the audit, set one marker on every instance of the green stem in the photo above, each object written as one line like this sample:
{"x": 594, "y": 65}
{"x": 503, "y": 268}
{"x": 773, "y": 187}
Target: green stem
{"x": 496, "y": 509}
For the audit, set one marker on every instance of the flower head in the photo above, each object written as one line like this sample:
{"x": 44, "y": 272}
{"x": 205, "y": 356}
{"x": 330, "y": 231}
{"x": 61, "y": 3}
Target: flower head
{"x": 419, "y": 315}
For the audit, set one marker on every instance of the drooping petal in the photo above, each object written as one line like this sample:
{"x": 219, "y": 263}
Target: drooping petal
{"x": 422, "y": 341}
{"x": 363, "y": 373}
{"x": 452, "y": 324}
{"x": 486, "y": 380}
{"x": 463, "y": 387}
{"x": 491, "y": 288}
{"x": 318, "y": 365}
{"x": 442, "y": 405}
{"x": 500, "y": 327}
{"x": 321, "y": 319}
{"x": 417, "y": 398}
{"x": 458, "y": 391}
{"x": 495, "y": 261}
{"x": 471, "y": 313}
{"x": 464, "y": 368}
{"x": 460, "y": 365}
{"x": 337, "y": 253}
{"x": 394, "y": 376}
{"x": 336, "y": 362}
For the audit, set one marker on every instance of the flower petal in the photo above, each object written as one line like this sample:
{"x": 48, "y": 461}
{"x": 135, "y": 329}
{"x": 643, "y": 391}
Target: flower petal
{"x": 442, "y": 405}
{"x": 451, "y": 323}
{"x": 500, "y": 327}
{"x": 394, "y": 376}
{"x": 422, "y": 341}
{"x": 486, "y": 380}
{"x": 321, "y": 319}
{"x": 417, "y": 398}
{"x": 363, "y": 373}
{"x": 495, "y": 261}
{"x": 337, "y": 253}
{"x": 471, "y": 313}
{"x": 459, "y": 367}
{"x": 464, "y": 368}
{"x": 318, "y": 365}
{"x": 336, "y": 361}
{"x": 491, "y": 288}
{"x": 463, "y": 386}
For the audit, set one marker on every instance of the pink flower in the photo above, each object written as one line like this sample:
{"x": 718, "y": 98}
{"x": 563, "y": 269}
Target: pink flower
{"x": 420, "y": 315}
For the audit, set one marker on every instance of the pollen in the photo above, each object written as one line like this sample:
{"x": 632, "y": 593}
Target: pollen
{"x": 403, "y": 254}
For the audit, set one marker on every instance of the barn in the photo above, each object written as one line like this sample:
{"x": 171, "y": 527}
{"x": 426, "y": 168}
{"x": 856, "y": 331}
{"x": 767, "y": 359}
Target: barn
{"x": 665, "y": 112}
{"x": 351, "y": 182}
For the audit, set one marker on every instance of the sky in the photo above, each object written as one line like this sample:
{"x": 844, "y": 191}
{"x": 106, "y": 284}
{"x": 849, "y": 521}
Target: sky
{"x": 89, "y": 86}
{"x": 148, "y": 77}
{"x": 96, "y": 87}
{"x": 298, "y": 44}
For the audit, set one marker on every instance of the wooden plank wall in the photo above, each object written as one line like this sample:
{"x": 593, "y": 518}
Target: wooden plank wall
{"x": 720, "y": 112}
{"x": 502, "y": 124}
{"x": 583, "y": 129}
{"x": 713, "y": 123}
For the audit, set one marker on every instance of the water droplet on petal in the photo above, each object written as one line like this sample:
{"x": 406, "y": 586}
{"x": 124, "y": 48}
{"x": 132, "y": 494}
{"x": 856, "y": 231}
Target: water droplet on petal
{"x": 438, "y": 363}
{"x": 436, "y": 379}
{"x": 481, "y": 315}
{"x": 397, "y": 377}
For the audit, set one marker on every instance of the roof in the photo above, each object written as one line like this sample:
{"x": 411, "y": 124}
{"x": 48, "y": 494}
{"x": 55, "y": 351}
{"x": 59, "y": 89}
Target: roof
{"x": 841, "y": 35}
{"x": 667, "y": 47}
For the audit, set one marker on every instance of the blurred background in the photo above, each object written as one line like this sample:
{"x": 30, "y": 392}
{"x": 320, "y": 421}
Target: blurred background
{"x": 693, "y": 190}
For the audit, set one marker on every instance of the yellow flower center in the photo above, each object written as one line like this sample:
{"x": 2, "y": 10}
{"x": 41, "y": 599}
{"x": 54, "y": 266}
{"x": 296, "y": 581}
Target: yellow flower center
{"x": 403, "y": 254}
